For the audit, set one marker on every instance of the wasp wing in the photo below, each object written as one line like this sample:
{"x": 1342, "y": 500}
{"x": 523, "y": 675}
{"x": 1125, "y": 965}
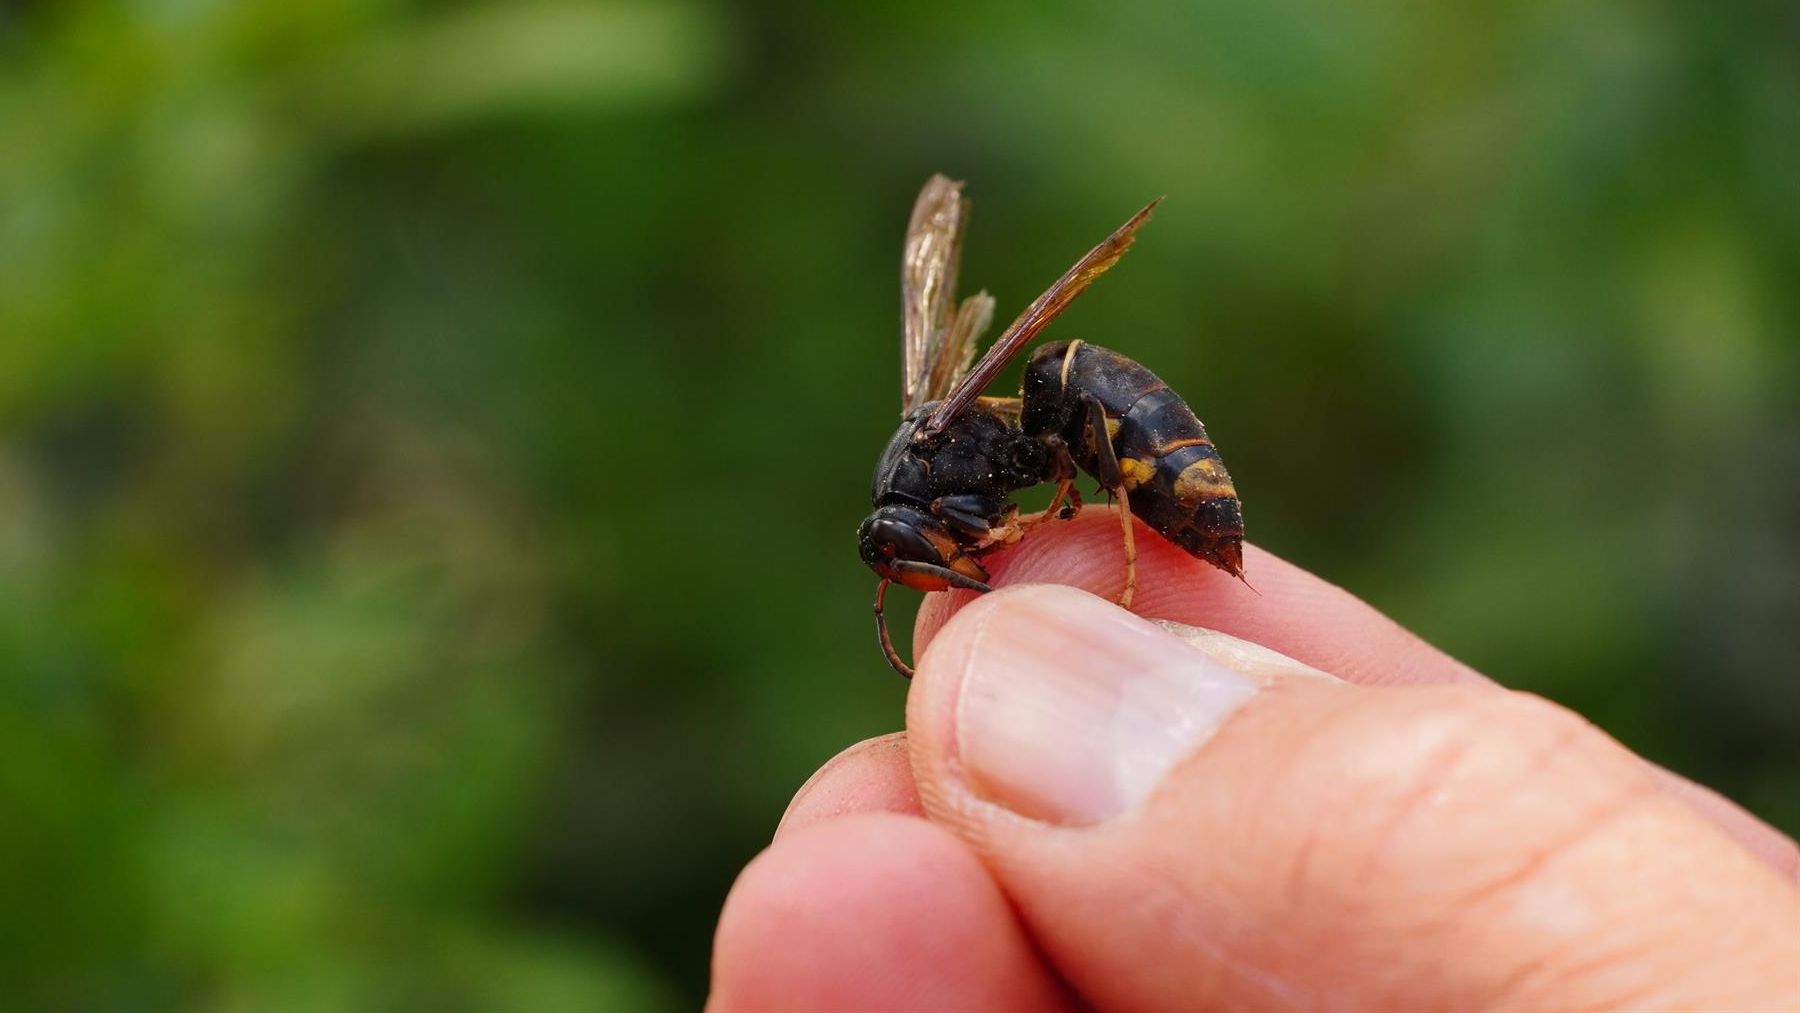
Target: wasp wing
{"x": 937, "y": 336}
{"x": 971, "y": 321}
{"x": 1037, "y": 316}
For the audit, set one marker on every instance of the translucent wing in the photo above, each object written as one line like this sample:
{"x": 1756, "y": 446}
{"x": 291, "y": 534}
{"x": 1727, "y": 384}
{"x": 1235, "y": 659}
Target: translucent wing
{"x": 1036, "y": 317}
{"x": 971, "y": 321}
{"x": 937, "y": 337}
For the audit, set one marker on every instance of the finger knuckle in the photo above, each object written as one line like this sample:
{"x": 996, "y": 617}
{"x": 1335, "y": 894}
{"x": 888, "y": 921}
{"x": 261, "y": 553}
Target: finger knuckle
{"x": 1457, "y": 790}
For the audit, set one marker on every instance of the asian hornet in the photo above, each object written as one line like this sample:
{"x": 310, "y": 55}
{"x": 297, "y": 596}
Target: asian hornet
{"x": 943, "y": 487}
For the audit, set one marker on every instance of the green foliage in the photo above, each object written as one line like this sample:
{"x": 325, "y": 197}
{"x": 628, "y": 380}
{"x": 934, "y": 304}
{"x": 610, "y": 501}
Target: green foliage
{"x": 431, "y": 435}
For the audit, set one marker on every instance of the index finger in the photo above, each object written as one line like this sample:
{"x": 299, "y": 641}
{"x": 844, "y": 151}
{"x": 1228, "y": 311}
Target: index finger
{"x": 1296, "y": 613}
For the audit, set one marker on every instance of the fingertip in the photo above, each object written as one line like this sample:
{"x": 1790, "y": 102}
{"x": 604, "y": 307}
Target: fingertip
{"x": 873, "y": 911}
{"x": 1087, "y": 552}
{"x": 1083, "y": 552}
{"x": 871, "y": 776}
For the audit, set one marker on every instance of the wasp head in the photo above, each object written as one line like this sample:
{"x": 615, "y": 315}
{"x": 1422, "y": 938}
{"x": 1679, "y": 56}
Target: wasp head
{"x": 908, "y": 546}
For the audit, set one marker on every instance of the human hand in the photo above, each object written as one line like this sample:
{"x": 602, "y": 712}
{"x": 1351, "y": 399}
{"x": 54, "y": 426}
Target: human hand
{"x": 1087, "y": 810}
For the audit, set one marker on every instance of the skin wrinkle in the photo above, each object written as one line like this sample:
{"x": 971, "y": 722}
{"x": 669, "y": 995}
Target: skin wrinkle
{"x": 1181, "y": 903}
{"x": 1603, "y": 817}
{"x": 1674, "y": 962}
{"x": 1319, "y": 837}
{"x": 1297, "y": 887}
{"x": 1318, "y": 834}
{"x": 1186, "y": 909}
{"x": 1457, "y": 912}
{"x": 1574, "y": 977}
{"x": 1566, "y": 978}
{"x": 1187, "y": 906}
{"x": 1034, "y": 943}
{"x": 1036, "y": 934}
{"x": 1164, "y": 899}
{"x": 1443, "y": 769}
{"x": 1230, "y": 960}
{"x": 1453, "y": 915}
{"x": 1634, "y": 952}
{"x": 939, "y": 806}
{"x": 1444, "y": 759}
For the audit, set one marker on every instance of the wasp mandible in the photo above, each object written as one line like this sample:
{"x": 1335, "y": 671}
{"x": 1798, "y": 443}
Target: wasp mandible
{"x": 943, "y": 487}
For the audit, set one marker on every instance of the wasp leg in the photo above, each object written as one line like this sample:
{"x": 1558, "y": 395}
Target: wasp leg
{"x": 1106, "y": 463}
{"x": 964, "y": 513}
{"x": 881, "y": 631}
{"x": 1073, "y": 506}
{"x": 1112, "y": 478}
{"x": 1063, "y": 473}
{"x": 1001, "y": 535}
{"x": 1065, "y": 482}
{"x": 1065, "y": 489}
{"x": 1125, "y": 596}
{"x": 1009, "y": 407}
{"x": 1057, "y": 507}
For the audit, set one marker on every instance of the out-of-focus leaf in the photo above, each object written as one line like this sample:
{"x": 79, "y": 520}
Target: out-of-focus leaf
{"x": 541, "y": 58}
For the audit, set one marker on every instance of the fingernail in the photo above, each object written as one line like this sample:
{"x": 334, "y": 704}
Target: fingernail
{"x": 1072, "y": 709}
{"x": 1254, "y": 660}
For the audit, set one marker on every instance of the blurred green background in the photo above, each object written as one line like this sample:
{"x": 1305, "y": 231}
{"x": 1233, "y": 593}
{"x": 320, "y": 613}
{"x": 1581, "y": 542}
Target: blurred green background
{"x": 432, "y": 434}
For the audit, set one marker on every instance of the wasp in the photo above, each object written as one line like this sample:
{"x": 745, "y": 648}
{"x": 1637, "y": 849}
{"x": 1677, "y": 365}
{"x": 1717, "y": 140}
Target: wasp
{"x": 943, "y": 488}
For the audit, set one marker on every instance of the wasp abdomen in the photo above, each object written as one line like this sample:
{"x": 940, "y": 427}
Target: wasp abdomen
{"x": 1161, "y": 433}
{"x": 1171, "y": 472}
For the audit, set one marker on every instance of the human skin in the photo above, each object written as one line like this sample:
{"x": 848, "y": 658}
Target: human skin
{"x": 1089, "y": 810}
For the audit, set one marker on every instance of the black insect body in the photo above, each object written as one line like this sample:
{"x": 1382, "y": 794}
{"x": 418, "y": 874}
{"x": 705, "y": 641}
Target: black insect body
{"x": 1155, "y": 449}
{"x": 943, "y": 487}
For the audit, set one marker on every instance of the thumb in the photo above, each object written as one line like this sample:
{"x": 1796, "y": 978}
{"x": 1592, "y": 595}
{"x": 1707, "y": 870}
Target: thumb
{"x": 1202, "y": 821}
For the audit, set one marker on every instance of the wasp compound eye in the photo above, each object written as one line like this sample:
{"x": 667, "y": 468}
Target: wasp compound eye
{"x": 889, "y": 537}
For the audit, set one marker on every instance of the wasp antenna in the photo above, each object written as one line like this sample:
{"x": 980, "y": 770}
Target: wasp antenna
{"x": 881, "y": 632}
{"x": 942, "y": 573}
